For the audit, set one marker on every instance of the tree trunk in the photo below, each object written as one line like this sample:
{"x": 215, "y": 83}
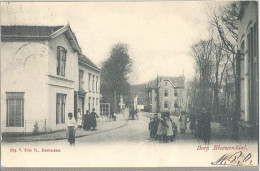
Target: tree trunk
{"x": 115, "y": 101}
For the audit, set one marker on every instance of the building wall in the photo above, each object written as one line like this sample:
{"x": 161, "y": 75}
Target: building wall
{"x": 61, "y": 84}
{"x": 247, "y": 129}
{"x": 250, "y": 16}
{"x": 153, "y": 101}
{"x": 24, "y": 66}
{"x": 87, "y": 87}
{"x": 170, "y": 98}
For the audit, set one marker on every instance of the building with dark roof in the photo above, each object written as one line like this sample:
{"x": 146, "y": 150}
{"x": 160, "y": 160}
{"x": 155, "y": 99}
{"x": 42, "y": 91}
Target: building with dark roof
{"x": 166, "y": 94}
{"x": 44, "y": 76}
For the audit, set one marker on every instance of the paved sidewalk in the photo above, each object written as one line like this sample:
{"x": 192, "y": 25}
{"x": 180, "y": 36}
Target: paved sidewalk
{"x": 103, "y": 126}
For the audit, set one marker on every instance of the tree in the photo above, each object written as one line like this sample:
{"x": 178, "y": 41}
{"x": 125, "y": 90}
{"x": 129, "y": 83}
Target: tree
{"x": 225, "y": 21}
{"x": 202, "y": 52}
{"x": 114, "y": 75}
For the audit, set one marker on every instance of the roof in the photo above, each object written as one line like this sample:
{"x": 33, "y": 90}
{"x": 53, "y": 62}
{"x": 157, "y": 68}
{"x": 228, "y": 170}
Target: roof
{"x": 19, "y": 32}
{"x": 176, "y": 81}
{"x": 28, "y": 31}
{"x": 86, "y": 60}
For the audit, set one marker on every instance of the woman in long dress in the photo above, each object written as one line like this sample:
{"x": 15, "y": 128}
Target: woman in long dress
{"x": 169, "y": 129}
{"x": 183, "y": 122}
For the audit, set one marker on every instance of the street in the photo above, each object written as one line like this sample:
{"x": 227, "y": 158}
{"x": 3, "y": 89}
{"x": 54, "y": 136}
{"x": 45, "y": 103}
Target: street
{"x": 127, "y": 146}
{"x": 135, "y": 131}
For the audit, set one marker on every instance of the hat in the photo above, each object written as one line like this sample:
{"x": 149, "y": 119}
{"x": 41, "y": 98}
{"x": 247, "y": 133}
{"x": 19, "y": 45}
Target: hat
{"x": 70, "y": 114}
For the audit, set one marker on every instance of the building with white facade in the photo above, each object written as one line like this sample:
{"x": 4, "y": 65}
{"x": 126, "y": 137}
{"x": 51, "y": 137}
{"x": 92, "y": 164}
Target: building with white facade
{"x": 88, "y": 95}
{"x": 40, "y": 68}
{"x": 165, "y": 94}
{"x": 248, "y": 68}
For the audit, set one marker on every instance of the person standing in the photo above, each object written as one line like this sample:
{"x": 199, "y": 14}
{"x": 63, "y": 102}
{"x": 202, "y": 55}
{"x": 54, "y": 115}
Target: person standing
{"x": 156, "y": 124}
{"x": 151, "y": 128}
{"x": 164, "y": 128}
{"x": 71, "y": 129}
{"x": 169, "y": 133}
{"x": 183, "y": 122}
{"x": 93, "y": 116}
{"x": 86, "y": 121}
{"x": 206, "y": 126}
{"x": 79, "y": 121}
{"x": 192, "y": 123}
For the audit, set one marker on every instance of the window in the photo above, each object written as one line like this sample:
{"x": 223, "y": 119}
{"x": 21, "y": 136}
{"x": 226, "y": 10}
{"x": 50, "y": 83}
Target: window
{"x": 61, "y": 61}
{"x": 89, "y": 102}
{"x": 15, "y": 109}
{"x": 89, "y": 79}
{"x": 96, "y": 104}
{"x": 166, "y": 93}
{"x": 97, "y": 84}
{"x": 165, "y": 83}
{"x": 60, "y": 108}
{"x": 175, "y": 93}
{"x": 175, "y": 105}
{"x": 93, "y": 101}
{"x": 93, "y": 82}
{"x": 81, "y": 82}
{"x": 166, "y": 104}
{"x": 252, "y": 47}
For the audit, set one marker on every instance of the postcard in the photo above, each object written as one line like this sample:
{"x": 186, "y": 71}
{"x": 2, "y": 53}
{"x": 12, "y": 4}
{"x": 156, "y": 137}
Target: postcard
{"x": 139, "y": 84}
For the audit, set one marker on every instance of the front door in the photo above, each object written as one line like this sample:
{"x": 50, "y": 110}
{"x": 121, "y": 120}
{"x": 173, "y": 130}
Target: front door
{"x": 81, "y": 105}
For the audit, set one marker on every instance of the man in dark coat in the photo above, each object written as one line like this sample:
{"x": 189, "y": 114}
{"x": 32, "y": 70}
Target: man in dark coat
{"x": 86, "y": 121}
{"x": 93, "y": 116}
{"x": 206, "y": 126}
{"x": 156, "y": 123}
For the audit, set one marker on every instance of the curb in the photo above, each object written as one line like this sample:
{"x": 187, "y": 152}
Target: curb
{"x": 106, "y": 130}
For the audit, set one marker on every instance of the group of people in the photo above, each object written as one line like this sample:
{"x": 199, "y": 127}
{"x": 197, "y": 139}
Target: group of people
{"x": 132, "y": 113}
{"x": 199, "y": 125}
{"x": 203, "y": 127}
{"x": 165, "y": 130}
{"x": 162, "y": 129}
{"x": 88, "y": 122}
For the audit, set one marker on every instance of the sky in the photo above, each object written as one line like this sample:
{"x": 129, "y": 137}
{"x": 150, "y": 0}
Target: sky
{"x": 159, "y": 34}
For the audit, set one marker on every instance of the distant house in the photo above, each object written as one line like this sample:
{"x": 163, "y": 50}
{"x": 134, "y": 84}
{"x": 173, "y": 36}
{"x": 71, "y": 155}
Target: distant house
{"x": 139, "y": 95}
{"x": 170, "y": 93}
{"x": 42, "y": 75}
{"x": 248, "y": 69}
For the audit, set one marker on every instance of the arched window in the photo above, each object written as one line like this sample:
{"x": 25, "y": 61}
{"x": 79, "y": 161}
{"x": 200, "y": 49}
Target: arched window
{"x": 252, "y": 47}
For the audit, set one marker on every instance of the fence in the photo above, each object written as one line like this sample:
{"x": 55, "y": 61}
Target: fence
{"x": 105, "y": 112}
{"x": 27, "y": 127}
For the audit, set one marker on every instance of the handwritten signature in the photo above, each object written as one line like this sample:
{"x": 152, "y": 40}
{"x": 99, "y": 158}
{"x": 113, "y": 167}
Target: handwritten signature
{"x": 236, "y": 159}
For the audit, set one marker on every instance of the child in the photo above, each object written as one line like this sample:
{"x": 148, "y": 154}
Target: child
{"x": 156, "y": 124}
{"x": 114, "y": 116}
{"x": 174, "y": 129}
{"x": 152, "y": 128}
{"x": 71, "y": 128}
{"x": 169, "y": 129}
